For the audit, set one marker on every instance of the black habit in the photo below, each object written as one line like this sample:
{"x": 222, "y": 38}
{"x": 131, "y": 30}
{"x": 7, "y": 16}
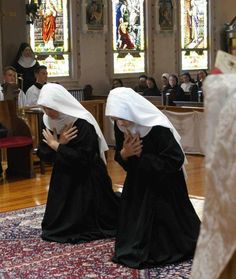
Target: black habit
{"x": 158, "y": 224}
{"x": 81, "y": 204}
{"x": 28, "y": 75}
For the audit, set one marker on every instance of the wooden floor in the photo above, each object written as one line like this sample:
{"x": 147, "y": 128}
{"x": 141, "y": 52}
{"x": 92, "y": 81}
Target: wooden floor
{"x": 31, "y": 192}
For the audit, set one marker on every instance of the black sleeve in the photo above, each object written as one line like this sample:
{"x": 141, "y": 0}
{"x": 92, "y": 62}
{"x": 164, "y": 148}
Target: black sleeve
{"x": 46, "y": 153}
{"x": 168, "y": 156}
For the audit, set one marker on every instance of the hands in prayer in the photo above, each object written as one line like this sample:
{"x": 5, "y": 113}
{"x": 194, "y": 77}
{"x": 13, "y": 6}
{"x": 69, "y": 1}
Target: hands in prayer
{"x": 132, "y": 145}
{"x": 68, "y": 133}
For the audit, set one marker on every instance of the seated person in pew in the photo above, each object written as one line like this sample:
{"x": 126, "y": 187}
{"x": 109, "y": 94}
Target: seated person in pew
{"x": 152, "y": 89}
{"x": 173, "y": 92}
{"x": 87, "y": 92}
{"x": 201, "y": 76}
{"x": 189, "y": 86}
{"x": 116, "y": 82}
{"x": 157, "y": 224}
{"x": 81, "y": 204}
{"x": 32, "y": 94}
{"x": 142, "y": 84}
{"x": 9, "y": 89}
{"x": 164, "y": 81}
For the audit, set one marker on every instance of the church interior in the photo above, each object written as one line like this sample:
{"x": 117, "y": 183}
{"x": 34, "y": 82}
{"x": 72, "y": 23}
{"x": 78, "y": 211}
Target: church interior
{"x": 86, "y": 46}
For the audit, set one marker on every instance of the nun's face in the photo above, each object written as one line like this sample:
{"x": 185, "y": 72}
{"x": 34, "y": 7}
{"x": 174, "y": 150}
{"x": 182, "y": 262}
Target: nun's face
{"x": 27, "y": 52}
{"x": 122, "y": 122}
{"x": 185, "y": 78}
{"x": 51, "y": 113}
{"x": 164, "y": 80}
{"x": 172, "y": 81}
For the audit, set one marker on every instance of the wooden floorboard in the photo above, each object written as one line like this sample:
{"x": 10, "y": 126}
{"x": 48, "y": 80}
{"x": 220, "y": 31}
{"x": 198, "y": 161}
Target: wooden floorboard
{"x": 26, "y": 193}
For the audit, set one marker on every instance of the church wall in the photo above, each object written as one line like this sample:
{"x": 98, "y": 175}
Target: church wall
{"x": 93, "y": 61}
{"x": 13, "y": 28}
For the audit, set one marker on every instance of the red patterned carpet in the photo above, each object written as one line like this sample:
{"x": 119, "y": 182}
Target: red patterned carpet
{"x": 25, "y": 255}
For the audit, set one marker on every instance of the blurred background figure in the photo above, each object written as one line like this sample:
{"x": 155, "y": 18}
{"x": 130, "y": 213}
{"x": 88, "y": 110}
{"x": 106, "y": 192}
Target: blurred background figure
{"x": 189, "y": 86}
{"x": 116, "y": 82}
{"x": 142, "y": 84}
{"x": 25, "y": 65}
{"x": 201, "y": 75}
{"x": 32, "y": 94}
{"x": 152, "y": 89}
{"x": 87, "y": 92}
{"x": 164, "y": 81}
{"x": 10, "y": 90}
{"x": 186, "y": 81}
{"x": 173, "y": 92}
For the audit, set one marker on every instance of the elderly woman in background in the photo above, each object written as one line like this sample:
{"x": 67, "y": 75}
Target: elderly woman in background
{"x": 152, "y": 89}
{"x": 173, "y": 92}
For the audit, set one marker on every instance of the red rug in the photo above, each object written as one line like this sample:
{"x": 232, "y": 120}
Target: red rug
{"x": 25, "y": 255}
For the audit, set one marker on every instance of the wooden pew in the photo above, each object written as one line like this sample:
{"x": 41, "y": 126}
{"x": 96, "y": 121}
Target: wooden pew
{"x": 97, "y": 109}
{"x": 18, "y": 142}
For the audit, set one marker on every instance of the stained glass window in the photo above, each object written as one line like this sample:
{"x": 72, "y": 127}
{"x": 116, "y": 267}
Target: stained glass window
{"x": 49, "y": 36}
{"x": 194, "y": 34}
{"x": 128, "y": 36}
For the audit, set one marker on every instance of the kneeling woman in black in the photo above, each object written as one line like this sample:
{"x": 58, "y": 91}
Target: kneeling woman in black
{"x": 157, "y": 222}
{"x": 81, "y": 204}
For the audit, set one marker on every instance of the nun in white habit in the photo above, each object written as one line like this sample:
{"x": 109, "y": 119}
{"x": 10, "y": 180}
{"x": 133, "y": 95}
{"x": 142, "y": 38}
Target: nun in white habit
{"x": 81, "y": 204}
{"x": 157, "y": 222}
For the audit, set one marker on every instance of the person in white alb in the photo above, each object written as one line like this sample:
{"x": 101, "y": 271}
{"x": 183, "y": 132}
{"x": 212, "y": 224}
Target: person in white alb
{"x": 32, "y": 94}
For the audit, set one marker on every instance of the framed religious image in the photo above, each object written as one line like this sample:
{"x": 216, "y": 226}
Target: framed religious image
{"x": 165, "y": 15}
{"x": 94, "y": 15}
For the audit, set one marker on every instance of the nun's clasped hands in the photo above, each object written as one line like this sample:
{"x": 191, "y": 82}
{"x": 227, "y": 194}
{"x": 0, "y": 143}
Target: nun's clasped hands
{"x": 132, "y": 145}
{"x": 67, "y": 134}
